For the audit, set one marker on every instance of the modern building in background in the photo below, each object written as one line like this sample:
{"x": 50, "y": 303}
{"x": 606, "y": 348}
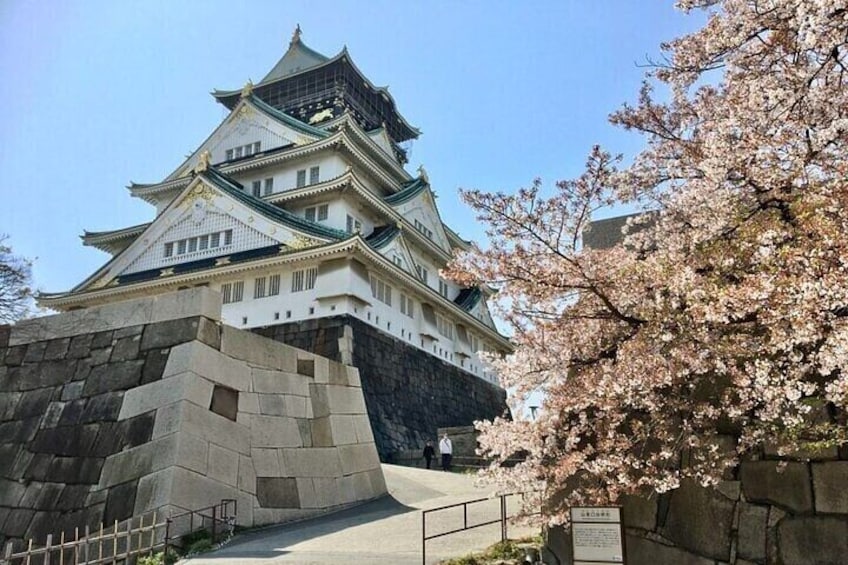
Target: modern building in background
{"x": 299, "y": 210}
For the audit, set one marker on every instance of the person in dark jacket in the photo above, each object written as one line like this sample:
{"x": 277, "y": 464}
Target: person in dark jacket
{"x": 429, "y": 453}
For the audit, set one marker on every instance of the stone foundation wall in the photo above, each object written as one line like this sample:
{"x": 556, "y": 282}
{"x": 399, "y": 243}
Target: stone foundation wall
{"x": 151, "y": 404}
{"x": 797, "y": 515}
{"x": 409, "y": 393}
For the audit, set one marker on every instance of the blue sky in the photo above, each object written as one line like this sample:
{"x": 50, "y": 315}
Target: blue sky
{"x": 100, "y": 93}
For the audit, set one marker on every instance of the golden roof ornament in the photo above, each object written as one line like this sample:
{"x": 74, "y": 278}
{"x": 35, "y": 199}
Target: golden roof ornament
{"x": 203, "y": 162}
{"x": 422, "y": 174}
{"x": 295, "y": 36}
{"x": 247, "y": 89}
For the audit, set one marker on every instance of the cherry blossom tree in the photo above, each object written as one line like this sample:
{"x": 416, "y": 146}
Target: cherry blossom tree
{"x": 15, "y": 284}
{"x": 719, "y": 327}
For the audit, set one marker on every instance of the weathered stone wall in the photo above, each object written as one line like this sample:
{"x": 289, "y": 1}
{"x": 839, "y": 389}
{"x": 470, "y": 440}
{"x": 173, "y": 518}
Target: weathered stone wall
{"x": 794, "y": 515}
{"x": 409, "y": 393}
{"x": 151, "y": 404}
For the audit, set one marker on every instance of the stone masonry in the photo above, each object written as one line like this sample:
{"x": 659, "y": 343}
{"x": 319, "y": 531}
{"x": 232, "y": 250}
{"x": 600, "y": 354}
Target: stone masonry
{"x": 790, "y": 512}
{"x": 118, "y": 410}
{"x": 409, "y": 393}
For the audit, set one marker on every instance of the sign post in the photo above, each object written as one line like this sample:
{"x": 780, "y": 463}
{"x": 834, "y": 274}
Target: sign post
{"x": 597, "y": 536}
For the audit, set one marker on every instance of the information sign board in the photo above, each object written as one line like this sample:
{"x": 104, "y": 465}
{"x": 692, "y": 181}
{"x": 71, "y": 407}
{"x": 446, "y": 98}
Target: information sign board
{"x": 597, "y": 535}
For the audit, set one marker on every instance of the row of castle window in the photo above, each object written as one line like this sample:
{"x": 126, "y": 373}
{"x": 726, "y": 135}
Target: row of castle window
{"x": 243, "y": 151}
{"x": 428, "y": 233}
{"x": 302, "y": 280}
{"x": 382, "y": 291}
{"x": 317, "y": 213}
{"x": 314, "y": 176}
{"x": 199, "y": 243}
{"x": 256, "y": 188}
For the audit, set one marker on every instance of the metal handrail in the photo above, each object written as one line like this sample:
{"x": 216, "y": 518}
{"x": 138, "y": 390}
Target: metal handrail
{"x": 502, "y": 519}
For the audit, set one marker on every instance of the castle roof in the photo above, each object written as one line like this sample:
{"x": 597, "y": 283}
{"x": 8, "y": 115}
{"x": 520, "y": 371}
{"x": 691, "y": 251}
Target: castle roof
{"x": 301, "y": 63}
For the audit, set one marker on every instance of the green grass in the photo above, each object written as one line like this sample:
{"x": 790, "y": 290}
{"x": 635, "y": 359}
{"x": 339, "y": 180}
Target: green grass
{"x": 501, "y": 551}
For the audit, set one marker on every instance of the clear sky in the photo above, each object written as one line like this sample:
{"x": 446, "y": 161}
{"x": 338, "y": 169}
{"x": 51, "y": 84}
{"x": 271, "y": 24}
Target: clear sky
{"x": 98, "y": 93}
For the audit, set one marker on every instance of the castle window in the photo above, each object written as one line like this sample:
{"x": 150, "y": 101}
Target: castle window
{"x": 381, "y": 290}
{"x": 428, "y": 233}
{"x": 256, "y": 146}
{"x": 353, "y": 224}
{"x": 239, "y": 152}
{"x": 397, "y": 260}
{"x": 169, "y": 249}
{"x": 269, "y": 186}
{"x": 444, "y": 326}
{"x": 203, "y": 242}
{"x": 232, "y": 292}
{"x": 215, "y": 240}
{"x": 314, "y": 175}
{"x": 443, "y": 288}
{"x": 301, "y": 178}
{"x": 229, "y": 155}
{"x": 274, "y": 285}
{"x": 228, "y": 237}
{"x": 407, "y": 306}
{"x": 259, "y": 287}
{"x": 257, "y": 188}
{"x": 422, "y": 273}
{"x": 319, "y": 213}
{"x": 304, "y": 279}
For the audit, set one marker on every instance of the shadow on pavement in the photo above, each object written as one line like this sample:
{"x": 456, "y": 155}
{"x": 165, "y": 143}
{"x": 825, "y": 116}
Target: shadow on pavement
{"x": 273, "y": 541}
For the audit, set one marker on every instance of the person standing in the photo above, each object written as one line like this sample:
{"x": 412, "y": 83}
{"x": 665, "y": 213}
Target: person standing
{"x": 429, "y": 453}
{"x": 446, "y": 449}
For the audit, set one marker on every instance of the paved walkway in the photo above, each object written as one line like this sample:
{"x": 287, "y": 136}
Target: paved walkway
{"x": 383, "y": 532}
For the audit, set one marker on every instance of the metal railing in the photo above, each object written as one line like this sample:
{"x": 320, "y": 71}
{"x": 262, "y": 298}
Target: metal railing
{"x": 502, "y": 518}
{"x": 219, "y": 519}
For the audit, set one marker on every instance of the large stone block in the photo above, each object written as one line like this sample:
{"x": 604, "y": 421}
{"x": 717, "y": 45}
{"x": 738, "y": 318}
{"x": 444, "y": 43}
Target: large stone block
{"x": 762, "y": 481}
{"x": 274, "y": 431}
{"x": 186, "y": 386}
{"x": 246, "y": 475}
{"x": 279, "y": 382}
{"x": 700, "y": 520}
{"x": 11, "y": 492}
{"x": 170, "y": 333}
{"x": 312, "y": 462}
{"x": 358, "y": 458}
{"x": 830, "y": 483}
{"x": 345, "y": 400}
{"x": 641, "y": 551}
{"x": 113, "y": 377}
{"x": 74, "y": 470}
{"x": 752, "y": 531}
{"x": 182, "y": 304}
{"x": 639, "y": 512}
{"x": 142, "y": 460}
{"x": 103, "y": 407}
{"x": 813, "y": 539}
{"x": 120, "y": 502}
{"x": 258, "y": 350}
{"x": 202, "y": 423}
{"x": 277, "y": 492}
{"x": 223, "y": 465}
{"x": 266, "y": 462}
{"x": 210, "y": 363}
{"x": 192, "y": 490}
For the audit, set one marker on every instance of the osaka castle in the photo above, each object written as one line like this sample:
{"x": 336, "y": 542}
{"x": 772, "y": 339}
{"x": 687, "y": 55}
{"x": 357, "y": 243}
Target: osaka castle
{"x": 298, "y": 208}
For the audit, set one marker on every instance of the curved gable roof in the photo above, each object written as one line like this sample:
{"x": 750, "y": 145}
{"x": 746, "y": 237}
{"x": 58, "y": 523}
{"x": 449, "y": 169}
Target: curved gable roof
{"x": 298, "y": 57}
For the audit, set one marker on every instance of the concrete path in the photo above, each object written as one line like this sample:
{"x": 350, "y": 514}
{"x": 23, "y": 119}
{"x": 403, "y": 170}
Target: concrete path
{"x": 383, "y": 532}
